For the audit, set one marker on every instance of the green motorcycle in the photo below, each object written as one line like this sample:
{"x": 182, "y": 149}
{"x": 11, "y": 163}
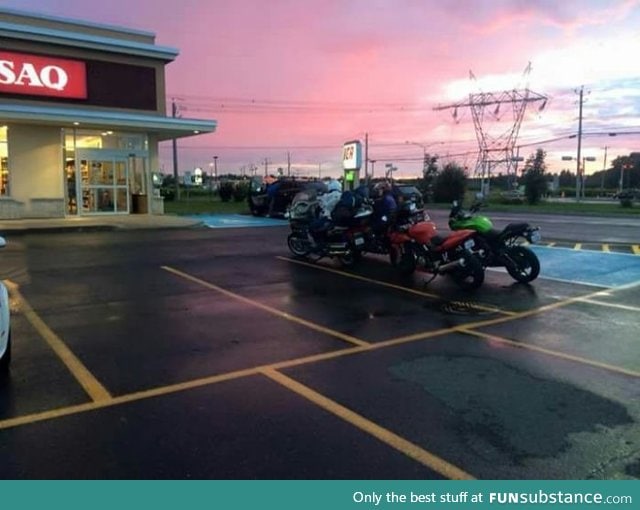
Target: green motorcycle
{"x": 500, "y": 248}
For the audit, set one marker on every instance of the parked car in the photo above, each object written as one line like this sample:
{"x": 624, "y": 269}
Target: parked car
{"x": 274, "y": 198}
{"x": 513, "y": 196}
{"x": 5, "y": 325}
{"x": 408, "y": 193}
{"x": 628, "y": 194}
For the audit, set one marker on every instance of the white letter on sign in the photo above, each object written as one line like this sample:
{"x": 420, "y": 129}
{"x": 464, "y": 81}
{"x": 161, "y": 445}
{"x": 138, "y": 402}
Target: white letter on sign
{"x": 29, "y": 72}
{"x": 7, "y": 76}
{"x": 59, "y": 75}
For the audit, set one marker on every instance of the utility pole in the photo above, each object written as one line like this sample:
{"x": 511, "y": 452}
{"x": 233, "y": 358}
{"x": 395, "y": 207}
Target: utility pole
{"x": 366, "y": 155}
{"x": 174, "y": 113}
{"x": 578, "y": 173}
{"x": 266, "y": 167}
{"x": 288, "y": 164}
{"x": 215, "y": 169}
{"x": 604, "y": 169}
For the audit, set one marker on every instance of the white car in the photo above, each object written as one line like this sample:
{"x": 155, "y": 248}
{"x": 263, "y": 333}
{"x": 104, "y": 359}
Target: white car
{"x": 5, "y": 324}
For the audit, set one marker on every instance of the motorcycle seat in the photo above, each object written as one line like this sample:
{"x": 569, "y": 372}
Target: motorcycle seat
{"x": 516, "y": 228}
{"x": 493, "y": 234}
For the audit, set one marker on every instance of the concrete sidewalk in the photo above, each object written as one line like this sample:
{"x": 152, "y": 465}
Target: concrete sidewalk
{"x": 111, "y": 222}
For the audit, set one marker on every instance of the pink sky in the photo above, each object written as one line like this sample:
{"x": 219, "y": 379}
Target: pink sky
{"x": 304, "y": 76}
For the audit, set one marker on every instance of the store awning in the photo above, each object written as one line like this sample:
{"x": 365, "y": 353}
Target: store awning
{"x": 165, "y": 128}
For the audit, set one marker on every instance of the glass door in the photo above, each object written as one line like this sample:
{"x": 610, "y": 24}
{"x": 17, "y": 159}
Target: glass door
{"x": 104, "y": 183}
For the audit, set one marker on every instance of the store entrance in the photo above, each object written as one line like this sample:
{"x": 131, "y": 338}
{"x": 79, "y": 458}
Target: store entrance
{"x": 103, "y": 182}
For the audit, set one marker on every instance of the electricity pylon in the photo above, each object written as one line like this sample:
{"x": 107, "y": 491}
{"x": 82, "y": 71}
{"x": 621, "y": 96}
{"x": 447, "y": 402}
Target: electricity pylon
{"x": 496, "y": 148}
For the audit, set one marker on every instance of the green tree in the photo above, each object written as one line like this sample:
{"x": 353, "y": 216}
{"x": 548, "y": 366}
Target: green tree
{"x": 451, "y": 184}
{"x": 535, "y": 181}
{"x": 429, "y": 175}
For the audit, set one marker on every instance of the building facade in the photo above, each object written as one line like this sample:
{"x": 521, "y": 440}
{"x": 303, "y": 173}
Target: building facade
{"x": 82, "y": 111}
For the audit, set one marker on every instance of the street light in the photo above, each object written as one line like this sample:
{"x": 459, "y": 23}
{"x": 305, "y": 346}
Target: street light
{"x": 390, "y": 169}
{"x": 373, "y": 162}
{"x": 425, "y": 163}
{"x": 580, "y": 177}
{"x": 424, "y": 154}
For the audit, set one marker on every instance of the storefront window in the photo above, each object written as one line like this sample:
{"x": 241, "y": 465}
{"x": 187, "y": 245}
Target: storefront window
{"x": 89, "y": 139}
{"x": 106, "y": 170}
{"x": 4, "y": 162}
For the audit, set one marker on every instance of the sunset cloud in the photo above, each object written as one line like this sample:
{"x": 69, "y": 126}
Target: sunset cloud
{"x": 304, "y": 76}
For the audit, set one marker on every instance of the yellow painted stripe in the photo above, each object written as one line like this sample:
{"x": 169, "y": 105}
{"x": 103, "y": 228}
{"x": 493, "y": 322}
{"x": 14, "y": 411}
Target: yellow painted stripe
{"x": 165, "y": 390}
{"x": 578, "y": 246}
{"x": 534, "y": 311}
{"x": 274, "y": 311}
{"x": 476, "y": 306}
{"x": 397, "y": 442}
{"x": 636, "y": 249}
{"x": 605, "y": 247}
{"x": 124, "y": 399}
{"x": 612, "y": 305}
{"x": 549, "y": 352}
{"x": 89, "y": 383}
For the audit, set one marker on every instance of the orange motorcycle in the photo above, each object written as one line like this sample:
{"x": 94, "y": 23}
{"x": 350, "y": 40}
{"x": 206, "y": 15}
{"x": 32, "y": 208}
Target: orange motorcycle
{"x": 418, "y": 246}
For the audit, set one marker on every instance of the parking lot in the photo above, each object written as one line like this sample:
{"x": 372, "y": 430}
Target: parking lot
{"x": 213, "y": 354}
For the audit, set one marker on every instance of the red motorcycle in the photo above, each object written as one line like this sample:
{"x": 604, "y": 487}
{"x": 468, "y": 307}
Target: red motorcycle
{"x": 418, "y": 246}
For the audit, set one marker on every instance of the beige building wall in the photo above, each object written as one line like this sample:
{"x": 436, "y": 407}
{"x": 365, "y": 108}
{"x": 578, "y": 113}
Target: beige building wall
{"x": 35, "y": 175}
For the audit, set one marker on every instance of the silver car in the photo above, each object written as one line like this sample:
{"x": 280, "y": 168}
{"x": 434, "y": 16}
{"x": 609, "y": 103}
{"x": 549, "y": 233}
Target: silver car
{"x": 5, "y": 325}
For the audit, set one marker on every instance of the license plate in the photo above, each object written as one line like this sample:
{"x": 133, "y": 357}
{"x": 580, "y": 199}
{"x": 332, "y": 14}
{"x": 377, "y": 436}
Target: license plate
{"x": 468, "y": 244}
{"x": 535, "y": 237}
{"x": 358, "y": 241}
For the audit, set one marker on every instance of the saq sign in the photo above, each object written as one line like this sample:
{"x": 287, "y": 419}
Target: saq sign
{"x": 352, "y": 155}
{"x": 42, "y": 76}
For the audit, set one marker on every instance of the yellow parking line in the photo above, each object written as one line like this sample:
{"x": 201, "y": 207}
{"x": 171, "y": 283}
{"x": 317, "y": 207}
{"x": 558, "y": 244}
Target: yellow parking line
{"x": 549, "y": 352}
{"x": 612, "y": 305}
{"x": 636, "y": 249}
{"x": 125, "y": 399}
{"x": 89, "y": 383}
{"x": 284, "y": 315}
{"x": 397, "y": 442}
{"x": 605, "y": 247}
{"x": 476, "y": 306}
{"x": 578, "y": 246}
{"x": 205, "y": 381}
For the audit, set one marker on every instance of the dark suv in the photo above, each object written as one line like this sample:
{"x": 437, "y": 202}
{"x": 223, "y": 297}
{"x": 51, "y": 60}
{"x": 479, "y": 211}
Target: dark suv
{"x": 628, "y": 194}
{"x": 408, "y": 193}
{"x": 274, "y": 199}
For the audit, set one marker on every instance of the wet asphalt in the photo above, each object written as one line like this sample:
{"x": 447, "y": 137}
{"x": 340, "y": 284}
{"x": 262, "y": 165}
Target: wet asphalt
{"x": 211, "y": 354}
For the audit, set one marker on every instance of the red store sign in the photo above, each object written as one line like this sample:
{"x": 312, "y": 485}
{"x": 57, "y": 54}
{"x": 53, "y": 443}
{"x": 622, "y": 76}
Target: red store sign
{"x": 42, "y": 76}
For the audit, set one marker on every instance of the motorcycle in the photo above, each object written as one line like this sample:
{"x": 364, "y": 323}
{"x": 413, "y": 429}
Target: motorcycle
{"x": 419, "y": 246}
{"x": 377, "y": 240}
{"x": 500, "y": 248}
{"x": 312, "y": 234}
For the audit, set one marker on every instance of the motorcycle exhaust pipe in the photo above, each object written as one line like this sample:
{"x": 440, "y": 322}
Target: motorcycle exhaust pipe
{"x": 450, "y": 266}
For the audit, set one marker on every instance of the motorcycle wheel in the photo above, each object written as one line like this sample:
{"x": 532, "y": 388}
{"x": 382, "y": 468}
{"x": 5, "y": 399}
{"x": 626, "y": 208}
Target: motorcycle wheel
{"x": 5, "y": 361}
{"x": 298, "y": 246}
{"x": 471, "y": 276}
{"x": 350, "y": 258}
{"x": 522, "y": 264}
